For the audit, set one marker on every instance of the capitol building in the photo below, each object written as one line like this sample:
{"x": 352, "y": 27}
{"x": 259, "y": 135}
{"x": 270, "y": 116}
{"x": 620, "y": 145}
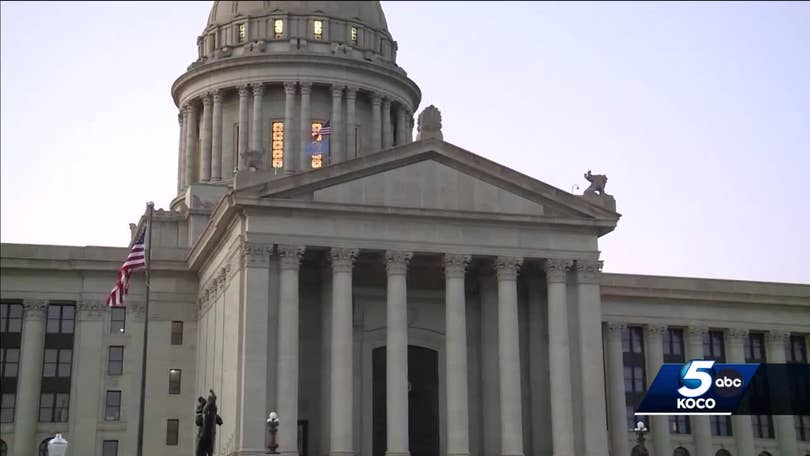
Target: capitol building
{"x": 396, "y": 296}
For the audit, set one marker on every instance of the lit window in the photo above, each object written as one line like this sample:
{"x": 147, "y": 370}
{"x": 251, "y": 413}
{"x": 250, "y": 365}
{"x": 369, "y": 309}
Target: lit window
{"x": 278, "y": 144}
{"x": 113, "y": 406}
{"x": 278, "y": 28}
{"x": 177, "y": 333}
{"x": 354, "y": 35}
{"x": 242, "y": 33}
{"x": 172, "y": 431}
{"x": 317, "y": 159}
{"x": 317, "y": 29}
{"x": 118, "y": 320}
{"x": 174, "y": 381}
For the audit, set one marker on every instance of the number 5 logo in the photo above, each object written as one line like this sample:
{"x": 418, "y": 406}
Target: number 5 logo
{"x": 694, "y": 378}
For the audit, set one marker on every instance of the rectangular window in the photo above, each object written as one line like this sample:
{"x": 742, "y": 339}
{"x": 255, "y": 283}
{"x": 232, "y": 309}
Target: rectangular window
{"x": 11, "y": 314}
{"x": 174, "y": 381}
{"x": 115, "y": 360}
{"x": 721, "y": 425}
{"x": 278, "y": 28}
{"x": 7, "y": 405}
{"x": 277, "y": 141}
{"x": 241, "y": 33}
{"x": 235, "y": 143}
{"x": 635, "y": 382}
{"x": 60, "y": 319}
{"x": 755, "y": 348}
{"x": 113, "y": 406}
{"x": 354, "y": 35}
{"x": 57, "y": 363}
{"x": 118, "y": 320}
{"x": 9, "y": 362}
{"x": 679, "y": 425}
{"x": 763, "y": 426}
{"x": 796, "y": 350}
{"x": 54, "y": 407}
{"x": 172, "y": 431}
{"x": 109, "y": 448}
{"x": 713, "y": 346}
{"x": 10, "y": 318}
{"x": 317, "y": 29}
{"x": 316, "y": 159}
{"x": 802, "y": 427}
{"x": 177, "y": 333}
{"x": 673, "y": 346}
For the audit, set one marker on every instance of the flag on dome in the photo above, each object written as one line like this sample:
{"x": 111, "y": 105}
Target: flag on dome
{"x": 135, "y": 260}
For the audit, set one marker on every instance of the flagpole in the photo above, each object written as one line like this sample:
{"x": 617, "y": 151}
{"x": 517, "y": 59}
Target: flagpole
{"x": 150, "y": 207}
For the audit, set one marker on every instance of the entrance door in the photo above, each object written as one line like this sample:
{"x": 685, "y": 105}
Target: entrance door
{"x": 423, "y": 401}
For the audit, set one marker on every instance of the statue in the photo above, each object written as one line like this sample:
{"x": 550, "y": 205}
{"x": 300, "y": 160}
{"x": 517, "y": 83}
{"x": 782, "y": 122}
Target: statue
{"x": 429, "y": 124}
{"x": 206, "y": 420}
{"x": 597, "y": 181}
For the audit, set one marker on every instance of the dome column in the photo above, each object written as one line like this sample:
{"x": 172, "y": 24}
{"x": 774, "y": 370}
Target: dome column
{"x": 243, "y": 126}
{"x": 216, "y": 138}
{"x": 336, "y": 141}
{"x": 189, "y": 122}
{"x": 181, "y": 162}
{"x": 306, "y": 125}
{"x": 402, "y": 126}
{"x": 376, "y": 123}
{"x": 388, "y": 135}
{"x": 256, "y": 130}
{"x": 351, "y": 138}
{"x": 289, "y": 160}
{"x": 205, "y": 140}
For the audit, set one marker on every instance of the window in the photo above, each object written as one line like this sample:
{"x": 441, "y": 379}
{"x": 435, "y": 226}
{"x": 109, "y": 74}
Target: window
{"x": 317, "y": 29}
{"x": 721, "y": 425}
{"x": 174, "y": 381}
{"x": 172, "y": 431}
{"x": 796, "y": 351}
{"x": 109, "y": 448}
{"x": 57, "y": 362}
{"x": 713, "y": 347}
{"x": 54, "y": 407}
{"x": 679, "y": 425}
{"x": 755, "y": 348}
{"x": 763, "y": 426}
{"x": 241, "y": 33}
{"x": 112, "y": 410}
{"x": 177, "y": 333}
{"x": 278, "y": 28}
{"x": 635, "y": 383}
{"x": 11, "y": 318}
{"x": 354, "y": 35}
{"x": 7, "y": 405}
{"x": 115, "y": 360}
{"x": 673, "y": 346}
{"x": 9, "y": 362}
{"x": 802, "y": 427}
{"x": 235, "y": 142}
{"x": 10, "y": 342}
{"x": 118, "y": 320}
{"x": 277, "y": 141}
{"x": 317, "y": 159}
{"x": 60, "y": 318}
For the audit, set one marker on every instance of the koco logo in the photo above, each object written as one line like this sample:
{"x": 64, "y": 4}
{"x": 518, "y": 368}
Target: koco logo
{"x": 696, "y": 380}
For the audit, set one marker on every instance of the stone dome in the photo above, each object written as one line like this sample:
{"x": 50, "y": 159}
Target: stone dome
{"x": 369, "y": 13}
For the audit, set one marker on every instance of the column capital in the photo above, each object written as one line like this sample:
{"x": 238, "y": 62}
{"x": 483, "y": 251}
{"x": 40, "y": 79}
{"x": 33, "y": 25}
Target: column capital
{"x": 244, "y": 90}
{"x": 555, "y": 269}
{"x": 656, "y": 330}
{"x": 206, "y": 100}
{"x": 342, "y": 259}
{"x": 696, "y": 332}
{"x": 180, "y": 117}
{"x": 776, "y": 336}
{"x": 337, "y": 91}
{"x": 34, "y": 309}
{"x": 455, "y": 265}
{"x": 588, "y": 271}
{"x": 376, "y": 99}
{"x": 306, "y": 88}
{"x": 91, "y": 310}
{"x": 507, "y": 267}
{"x": 351, "y": 92}
{"x": 737, "y": 334}
{"x": 290, "y": 256}
{"x": 216, "y": 95}
{"x": 256, "y": 255}
{"x": 386, "y": 103}
{"x": 615, "y": 327}
{"x": 258, "y": 89}
{"x": 396, "y": 262}
{"x": 289, "y": 87}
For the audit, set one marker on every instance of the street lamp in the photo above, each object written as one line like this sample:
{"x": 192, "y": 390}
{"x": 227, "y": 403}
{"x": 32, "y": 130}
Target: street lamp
{"x": 57, "y": 446}
{"x": 640, "y": 449}
{"x": 272, "y": 428}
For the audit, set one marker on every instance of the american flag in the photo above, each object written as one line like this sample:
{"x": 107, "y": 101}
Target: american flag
{"x": 135, "y": 260}
{"x": 323, "y": 131}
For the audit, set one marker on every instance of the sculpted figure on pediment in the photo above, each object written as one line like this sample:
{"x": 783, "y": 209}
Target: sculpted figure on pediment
{"x": 598, "y": 182}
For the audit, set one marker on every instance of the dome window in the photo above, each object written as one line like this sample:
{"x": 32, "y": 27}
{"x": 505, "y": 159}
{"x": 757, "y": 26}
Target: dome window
{"x": 354, "y": 35}
{"x": 278, "y": 28}
{"x": 277, "y": 153}
{"x": 241, "y": 32}
{"x": 317, "y": 159}
{"x": 317, "y": 29}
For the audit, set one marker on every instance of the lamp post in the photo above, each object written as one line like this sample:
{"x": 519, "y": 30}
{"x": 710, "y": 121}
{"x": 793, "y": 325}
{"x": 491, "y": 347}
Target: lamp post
{"x": 57, "y": 446}
{"x": 640, "y": 449}
{"x": 272, "y": 428}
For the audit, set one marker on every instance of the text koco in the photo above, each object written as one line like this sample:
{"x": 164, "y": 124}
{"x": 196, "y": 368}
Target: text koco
{"x": 699, "y": 403}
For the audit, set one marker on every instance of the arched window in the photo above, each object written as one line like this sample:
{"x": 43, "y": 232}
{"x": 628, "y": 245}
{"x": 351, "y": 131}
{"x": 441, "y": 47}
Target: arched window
{"x": 3, "y": 448}
{"x": 680, "y": 451}
{"x": 43, "y": 447}
{"x": 722, "y": 452}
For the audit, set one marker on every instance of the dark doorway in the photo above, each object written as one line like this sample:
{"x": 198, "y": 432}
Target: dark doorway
{"x": 423, "y": 401}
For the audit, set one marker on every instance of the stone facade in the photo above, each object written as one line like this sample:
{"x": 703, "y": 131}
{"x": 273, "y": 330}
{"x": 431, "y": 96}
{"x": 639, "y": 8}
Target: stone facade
{"x": 307, "y": 291}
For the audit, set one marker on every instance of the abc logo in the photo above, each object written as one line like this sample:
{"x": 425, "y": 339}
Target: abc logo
{"x": 728, "y": 383}
{"x": 696, "y": 380}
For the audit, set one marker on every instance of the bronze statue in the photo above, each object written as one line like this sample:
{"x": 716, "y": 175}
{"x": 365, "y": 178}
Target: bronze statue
{"x": 598, "y": 182}
{"x": 206, "y": 420}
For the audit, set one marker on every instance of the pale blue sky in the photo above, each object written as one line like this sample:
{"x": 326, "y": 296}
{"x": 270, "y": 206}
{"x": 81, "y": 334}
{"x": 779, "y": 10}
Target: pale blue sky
{"x": 699, "y": 113}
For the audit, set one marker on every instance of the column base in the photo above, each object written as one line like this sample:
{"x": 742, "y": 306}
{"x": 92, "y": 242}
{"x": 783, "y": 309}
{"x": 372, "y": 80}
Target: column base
{"x": 397, "y": 453}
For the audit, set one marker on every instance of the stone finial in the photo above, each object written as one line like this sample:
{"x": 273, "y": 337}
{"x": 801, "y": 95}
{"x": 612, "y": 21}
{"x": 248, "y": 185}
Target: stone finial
{"x": 430, "y": 124}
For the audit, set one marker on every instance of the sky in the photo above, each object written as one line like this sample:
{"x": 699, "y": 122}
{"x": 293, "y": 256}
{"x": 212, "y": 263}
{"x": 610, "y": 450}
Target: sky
{"x": 698, "y": 113}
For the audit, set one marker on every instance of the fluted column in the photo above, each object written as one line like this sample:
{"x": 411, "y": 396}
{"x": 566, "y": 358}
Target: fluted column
{"x": 341, "y": 430}
{"x": 290, "y": 160}
{"x": 784, "y": 426}
{"x": 216, "y": 138}
{"x": 351, "y": 122}
{"x": 659, "y": 425}
{"x": 287, "y": 397}
{"x": 701, "y": 425}
{"x": 88, "y": 376}
{"x": 242, "y": 147}
{"x": 396, "y": 354}
{"x": 191, "y": 141}
{"x": 559, "y": 358}
{"x": 741, "y": 424}
{"x": 181, "y": 184}
{"x": 458, "y": 440}
{"x": 205, "y": 140}
{"x": 376, "y": 123}
{"x": 336, "y": 141}
{"x": 306, "y": 126}
{"x": 617, "y": 413}
{"x": 401, "y": 126}
{"x": 509, "y": 357}
{"x": 30, "y": 377}
{"x": 256, "y": 130}
{"x": 387, "y": 132}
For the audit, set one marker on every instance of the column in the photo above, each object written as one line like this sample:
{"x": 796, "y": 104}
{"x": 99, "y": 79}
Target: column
{"x": 88, "y": 376}
{"x": 341, "y": 436}
{"x": 336, "y": 140}
{"x": 458, "y": 441}
{"x": 401, "y": 128}
{"x": 216, "y": 138}
{"x": 591, "y": 367}
{"x": 376, "y": 123}
{"x": 191, "y": 141}
{"x": 740, "y": 424}
{"x": 287, "y": 397}
{"x": 617, "y": 412}
{"x": 181, "y": 184}
{"x": 351, "y": 122}
{"x": 306, "y": 126}
{"x": 387, "y": 133}
{"x": 559, "y": 365}
{"x": 538, "y": 363}
{"x": 701, "y": 426}
{"x": 30, "y": 377}
{"x": 205, "y": 140}
{"x": 509, "y": 357}
{"x": 784, "y": 425}
{"x": 290, "y": 159}
{"x": 490, "y": 403}
{"x": 659, "y": 425}
{"x": 396, "y": 354}
{"x": 256, "y": 130}
{"x": 241, "y": 148}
